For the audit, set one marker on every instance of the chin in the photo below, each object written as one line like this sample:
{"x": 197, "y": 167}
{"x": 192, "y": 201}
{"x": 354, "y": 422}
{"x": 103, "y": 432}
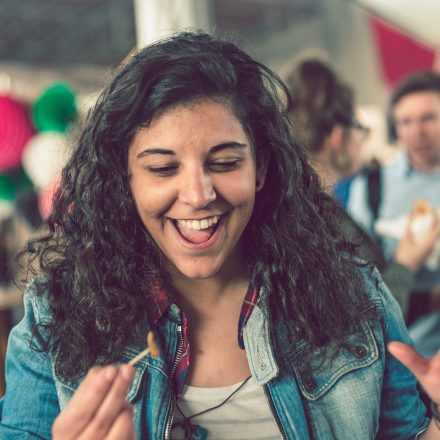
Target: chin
{"x": 196, "y": 271}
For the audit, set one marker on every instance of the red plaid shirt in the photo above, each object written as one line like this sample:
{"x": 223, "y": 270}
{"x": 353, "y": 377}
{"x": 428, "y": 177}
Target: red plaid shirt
{"x": 159, "y": 303}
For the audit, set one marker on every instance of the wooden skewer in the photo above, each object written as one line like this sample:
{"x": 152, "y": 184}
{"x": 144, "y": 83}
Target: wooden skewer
{"x": 152, "y": 348}
{"x": 138, "y": 357}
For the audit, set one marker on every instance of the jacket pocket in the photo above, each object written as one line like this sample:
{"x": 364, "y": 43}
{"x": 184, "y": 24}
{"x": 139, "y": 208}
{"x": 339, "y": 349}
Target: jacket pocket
{"x": 323, "y": 370}
{"x": 67, "y": 387}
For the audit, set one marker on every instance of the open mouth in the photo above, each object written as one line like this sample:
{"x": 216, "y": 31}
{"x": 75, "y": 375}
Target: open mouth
{"x": 198, "y": 231}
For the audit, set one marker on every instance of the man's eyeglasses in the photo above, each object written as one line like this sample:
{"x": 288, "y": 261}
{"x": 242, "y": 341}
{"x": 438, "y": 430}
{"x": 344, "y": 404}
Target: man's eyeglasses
{"x": 358, "y": 126}
{"x": 363, "y": 129}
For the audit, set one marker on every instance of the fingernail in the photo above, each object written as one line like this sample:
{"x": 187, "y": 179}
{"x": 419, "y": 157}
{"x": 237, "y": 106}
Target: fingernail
{"x": 127, "y": 372}
{"x": 109, "y": 372}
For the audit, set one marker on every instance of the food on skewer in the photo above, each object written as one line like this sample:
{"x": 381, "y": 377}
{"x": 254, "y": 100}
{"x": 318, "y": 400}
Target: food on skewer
{"x": 151, "y": 349}
{"x": 419, "y": 221}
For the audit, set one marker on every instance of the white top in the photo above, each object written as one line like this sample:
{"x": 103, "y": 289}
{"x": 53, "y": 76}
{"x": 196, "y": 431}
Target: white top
{"x": 246, "y": 415}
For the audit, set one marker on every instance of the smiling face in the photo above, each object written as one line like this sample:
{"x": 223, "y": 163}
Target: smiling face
{"x": 193, "y": 179}
{"x": 417, "y": 121}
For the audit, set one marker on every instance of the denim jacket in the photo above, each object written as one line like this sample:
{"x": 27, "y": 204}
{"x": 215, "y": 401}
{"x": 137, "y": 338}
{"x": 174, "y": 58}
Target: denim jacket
{"x": 361, "y": 393}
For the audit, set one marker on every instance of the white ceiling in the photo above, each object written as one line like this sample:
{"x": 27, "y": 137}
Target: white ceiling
{"x": 419, "y": 18}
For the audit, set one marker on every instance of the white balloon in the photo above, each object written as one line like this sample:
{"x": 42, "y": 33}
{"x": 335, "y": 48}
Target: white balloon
{"x": 44, "y": 157}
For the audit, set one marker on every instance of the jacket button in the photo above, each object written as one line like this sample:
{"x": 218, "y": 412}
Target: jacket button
{"x": 359, "y": 351}
{"x": 309, "y": 383}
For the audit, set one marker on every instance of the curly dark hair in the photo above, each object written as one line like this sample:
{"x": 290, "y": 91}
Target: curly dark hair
{"x": 98, "y": 259}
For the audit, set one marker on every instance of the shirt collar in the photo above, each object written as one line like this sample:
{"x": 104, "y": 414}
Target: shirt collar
{"x": 158, "y": 302}
{"x": 409, "y": 170}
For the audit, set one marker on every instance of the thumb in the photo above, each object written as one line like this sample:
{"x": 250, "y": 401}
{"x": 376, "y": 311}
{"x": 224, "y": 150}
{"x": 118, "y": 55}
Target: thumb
{"x": 409, "y": 357}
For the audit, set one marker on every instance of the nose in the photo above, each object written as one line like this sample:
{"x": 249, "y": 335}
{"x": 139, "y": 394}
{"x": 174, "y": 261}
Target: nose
{"x": 197, "y": 189}
{"x": 419, "y": 127}
{"x": 416, "y": 128}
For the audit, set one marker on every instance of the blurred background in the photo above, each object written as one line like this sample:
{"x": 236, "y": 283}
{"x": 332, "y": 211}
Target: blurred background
{"x": 56, "y": 55}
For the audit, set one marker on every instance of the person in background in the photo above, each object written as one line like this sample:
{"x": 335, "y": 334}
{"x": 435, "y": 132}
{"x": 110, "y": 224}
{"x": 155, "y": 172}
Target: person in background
{"x": 188, "y": 210}
{"x": 414, "y": 175}
{"x": 23, "y": 224}
{"x": 26, "y": 222}
{"x": 5, "y": 309}
{"x": 323, "y": 116}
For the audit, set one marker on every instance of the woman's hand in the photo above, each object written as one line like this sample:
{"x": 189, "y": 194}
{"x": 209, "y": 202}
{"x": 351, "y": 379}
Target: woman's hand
{"x": 427, "y": 371}
{"x": 98, "y": 409}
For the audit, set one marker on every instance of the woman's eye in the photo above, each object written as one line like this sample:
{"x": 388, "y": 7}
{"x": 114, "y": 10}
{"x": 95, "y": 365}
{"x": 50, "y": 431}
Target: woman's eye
{"x": 225, "y": 165}
{"x": 163, "y": 171}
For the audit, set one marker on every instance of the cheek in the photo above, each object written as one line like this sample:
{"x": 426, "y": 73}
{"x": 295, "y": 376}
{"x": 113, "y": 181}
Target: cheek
{"x": 356, "y": 150}
{"x": 400, "y": 134}
{"x": 435, "y": 132}
{"x": 241, "y": 193}
{"x": 149, "y": 200}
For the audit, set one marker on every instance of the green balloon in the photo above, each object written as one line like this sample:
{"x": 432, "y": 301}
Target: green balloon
{"x": 55, "y": 109}
{"x": 11, "y": 182}
{"x": 7, "y": 190}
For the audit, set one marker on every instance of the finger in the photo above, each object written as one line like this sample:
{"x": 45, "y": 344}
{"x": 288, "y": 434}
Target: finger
{"x": 123, "y": 427}
{"x": 435, "y": 221}
{"x": 84, "y": 403}
{"x": 111, "y": 406}
{"x": 408, "y": 227}
{"x": 409, "y": 357}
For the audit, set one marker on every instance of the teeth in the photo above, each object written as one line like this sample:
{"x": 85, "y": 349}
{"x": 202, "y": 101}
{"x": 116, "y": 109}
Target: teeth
{"x": 199, "y": 224}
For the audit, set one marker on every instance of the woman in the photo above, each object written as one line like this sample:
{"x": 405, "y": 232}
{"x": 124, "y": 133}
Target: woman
{"x": 188, "y": 210}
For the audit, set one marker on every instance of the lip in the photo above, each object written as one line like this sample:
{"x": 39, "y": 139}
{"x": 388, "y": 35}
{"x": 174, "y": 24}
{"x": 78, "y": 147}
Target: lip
{"x": 422, "y": 149}
{"x": 206, "y": 244}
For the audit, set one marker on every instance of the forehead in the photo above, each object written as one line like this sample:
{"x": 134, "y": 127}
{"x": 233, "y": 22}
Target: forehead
{"x": 417, "y": 103}
{"x": 206, "y": 123}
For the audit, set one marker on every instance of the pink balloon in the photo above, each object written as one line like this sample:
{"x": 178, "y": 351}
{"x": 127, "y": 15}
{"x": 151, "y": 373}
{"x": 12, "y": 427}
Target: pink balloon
{"x": 15, "y": 130}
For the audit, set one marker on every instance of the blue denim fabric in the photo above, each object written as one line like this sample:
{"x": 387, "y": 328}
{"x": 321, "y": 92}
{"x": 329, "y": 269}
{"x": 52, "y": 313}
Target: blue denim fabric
{"x": 361, "y": 393}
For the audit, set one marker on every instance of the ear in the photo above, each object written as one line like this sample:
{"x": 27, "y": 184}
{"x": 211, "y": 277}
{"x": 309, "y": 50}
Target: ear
{"x": 335, "y": 139}
{"x": 261, "y": 171}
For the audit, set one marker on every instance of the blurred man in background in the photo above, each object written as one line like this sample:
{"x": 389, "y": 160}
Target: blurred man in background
{"x": 413, "y": 176}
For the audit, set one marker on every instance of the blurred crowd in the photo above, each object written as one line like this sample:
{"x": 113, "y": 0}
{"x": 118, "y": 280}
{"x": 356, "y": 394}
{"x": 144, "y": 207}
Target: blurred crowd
{"x": 34, "y": 145}
{"x": 392, "y": 206}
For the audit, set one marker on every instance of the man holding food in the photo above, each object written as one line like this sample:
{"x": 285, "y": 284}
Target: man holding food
{"x": 407, "y": 195}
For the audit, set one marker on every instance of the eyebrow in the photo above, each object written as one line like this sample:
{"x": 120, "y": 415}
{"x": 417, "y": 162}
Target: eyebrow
{"x": 423, "y": 115}
{"x": 214, "y": 149}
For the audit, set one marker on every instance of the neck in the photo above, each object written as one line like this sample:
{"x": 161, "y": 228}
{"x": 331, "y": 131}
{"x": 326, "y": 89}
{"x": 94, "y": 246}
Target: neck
{"x": 206, "y": 300}
{"x": 202, "y": 294}
{"x": 429, "y": 165}
{"x": 326, "y": 174}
